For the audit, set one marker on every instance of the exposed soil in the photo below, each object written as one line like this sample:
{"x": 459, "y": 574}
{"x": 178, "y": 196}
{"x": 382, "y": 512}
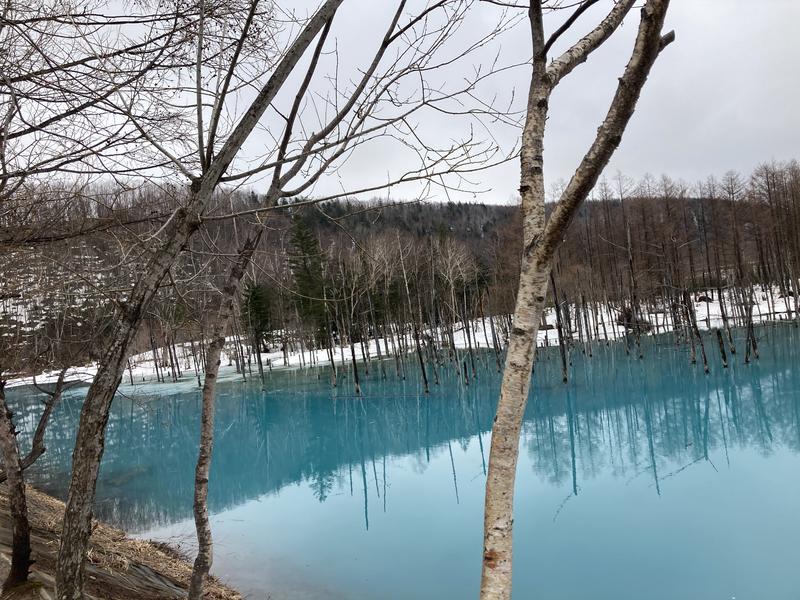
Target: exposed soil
{"x": 118, "y": 567}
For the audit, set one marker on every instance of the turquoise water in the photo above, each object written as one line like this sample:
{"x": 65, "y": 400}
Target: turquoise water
{"x": 638, "y": 479}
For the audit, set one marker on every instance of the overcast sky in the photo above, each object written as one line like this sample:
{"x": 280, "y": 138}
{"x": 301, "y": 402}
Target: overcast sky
{"x": 723, "y": 96}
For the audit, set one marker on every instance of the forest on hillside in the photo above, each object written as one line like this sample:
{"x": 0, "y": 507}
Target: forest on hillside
{"x": 193, "y": 191}
{"x": 346, "y": 271}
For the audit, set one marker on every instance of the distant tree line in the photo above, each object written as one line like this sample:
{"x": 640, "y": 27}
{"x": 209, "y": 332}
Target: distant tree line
{"x": 408, "y": 274}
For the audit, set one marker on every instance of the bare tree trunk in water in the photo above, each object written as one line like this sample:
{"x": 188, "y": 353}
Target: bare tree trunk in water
{"x": 541, "y": 240}
{"x": 205, "y": 555}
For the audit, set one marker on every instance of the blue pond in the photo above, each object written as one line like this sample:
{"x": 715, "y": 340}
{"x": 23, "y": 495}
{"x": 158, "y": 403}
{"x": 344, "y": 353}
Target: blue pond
{"x": 637, "y": 479}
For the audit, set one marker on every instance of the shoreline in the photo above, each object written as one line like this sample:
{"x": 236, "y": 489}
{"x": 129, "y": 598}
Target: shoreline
{"x": 118, "y": 566}
{"x": 142, "y": 370}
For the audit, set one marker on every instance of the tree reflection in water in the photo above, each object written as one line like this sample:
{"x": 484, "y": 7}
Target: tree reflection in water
{"x": 632, "y": 418}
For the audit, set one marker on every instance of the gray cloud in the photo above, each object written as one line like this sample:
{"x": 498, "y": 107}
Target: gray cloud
{"x": 722, "y": 97}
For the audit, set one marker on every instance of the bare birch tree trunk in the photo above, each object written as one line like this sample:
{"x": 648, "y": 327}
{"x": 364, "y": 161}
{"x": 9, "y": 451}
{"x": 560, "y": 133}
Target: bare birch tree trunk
{"x": 541, "y": 239}
{"x": 205, "y": 555}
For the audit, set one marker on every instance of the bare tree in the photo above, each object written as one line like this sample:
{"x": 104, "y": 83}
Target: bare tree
{"x": 541, "y": 239}
{"x": 35, "y": 338}
{"x": 15, "y": 465}
{"x": 21, "y": 537}
{"x": 229, "y": 50}
{"x": 228, "y": 293}
{"x": 62, "y": 64}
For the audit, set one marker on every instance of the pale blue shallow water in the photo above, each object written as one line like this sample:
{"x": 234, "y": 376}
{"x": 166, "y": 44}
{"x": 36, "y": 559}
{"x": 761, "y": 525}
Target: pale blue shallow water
{"x": 638, "y": 479}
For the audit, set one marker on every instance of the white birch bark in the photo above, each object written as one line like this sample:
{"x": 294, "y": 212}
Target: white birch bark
{"x": 541, "y": 240}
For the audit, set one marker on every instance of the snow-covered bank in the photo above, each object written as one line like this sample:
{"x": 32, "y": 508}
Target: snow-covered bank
{"x": 600, "y": 323}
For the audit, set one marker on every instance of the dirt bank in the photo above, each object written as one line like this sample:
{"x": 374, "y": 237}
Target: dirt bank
{"x": 118, "y": 568}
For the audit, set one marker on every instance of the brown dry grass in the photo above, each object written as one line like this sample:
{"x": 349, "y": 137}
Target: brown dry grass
{"x": 118, "y": 567}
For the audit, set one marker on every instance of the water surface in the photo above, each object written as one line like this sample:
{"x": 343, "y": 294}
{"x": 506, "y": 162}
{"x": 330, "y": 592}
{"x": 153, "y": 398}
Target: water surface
{"x": 637, "y": 479}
